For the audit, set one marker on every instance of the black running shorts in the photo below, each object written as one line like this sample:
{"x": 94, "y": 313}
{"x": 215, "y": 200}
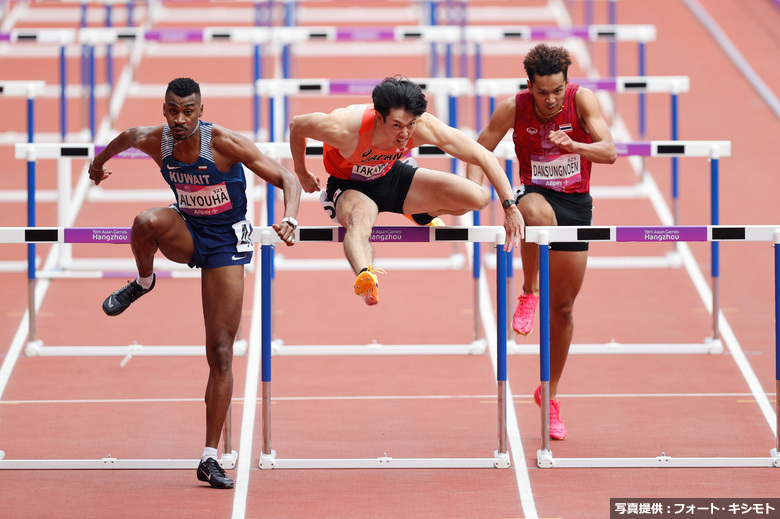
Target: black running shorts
{"x": 387, "y": 192}
{"x": 570, "y": 209}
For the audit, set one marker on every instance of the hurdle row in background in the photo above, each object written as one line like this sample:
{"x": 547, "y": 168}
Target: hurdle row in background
{"x": 262, "y": 38}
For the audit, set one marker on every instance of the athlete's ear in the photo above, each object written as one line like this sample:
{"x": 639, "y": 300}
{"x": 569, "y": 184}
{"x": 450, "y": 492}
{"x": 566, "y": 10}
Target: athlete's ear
{"x": 201, "y": 112}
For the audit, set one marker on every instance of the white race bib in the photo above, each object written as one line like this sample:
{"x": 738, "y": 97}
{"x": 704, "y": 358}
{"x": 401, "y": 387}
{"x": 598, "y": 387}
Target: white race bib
{"x": 361, "y": 172}
{"x": 203, "y": 200}
{"x": 555, "y": 172}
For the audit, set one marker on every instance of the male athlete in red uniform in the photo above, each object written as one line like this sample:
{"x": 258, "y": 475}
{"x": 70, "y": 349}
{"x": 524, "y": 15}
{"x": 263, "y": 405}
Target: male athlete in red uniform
{"x": 558, "y": 131}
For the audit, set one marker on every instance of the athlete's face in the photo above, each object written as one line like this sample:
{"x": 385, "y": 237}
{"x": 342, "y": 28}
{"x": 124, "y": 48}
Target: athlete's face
{"x": 548, "y": 92}
{"x": 182, "y": 114}
{"x": 397, "y": 128}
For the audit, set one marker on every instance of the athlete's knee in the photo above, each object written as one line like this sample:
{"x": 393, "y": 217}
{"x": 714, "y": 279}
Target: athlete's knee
{"x": 356, "y": 219}
{"x": 536, "y": 214}
{"x": 481, "y": 198}
{"x": 563, "y": 310}
{"x": 220, "y": 357}
{"x": 146, "y": 221}
{"x": 477, "y": 198}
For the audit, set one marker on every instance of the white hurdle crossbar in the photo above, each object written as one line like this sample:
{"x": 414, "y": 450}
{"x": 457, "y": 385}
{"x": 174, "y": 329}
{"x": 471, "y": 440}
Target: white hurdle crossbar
{"x": 543, "y": 236}
{"x": 495, "y": 235}
{"x": 672, "y": 85}
{"x": 445, "y": 90}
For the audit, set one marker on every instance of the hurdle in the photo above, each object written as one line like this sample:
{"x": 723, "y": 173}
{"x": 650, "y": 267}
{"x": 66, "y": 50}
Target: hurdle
{"x": 258, "y": 36}
{"x": 543, "y": 236}
{"x": 61, "y": 235}
{"x": 672, "y": 85}
{"x": 445, "y": 91}
{"x": 64, "y": 153}
{"x": 494, "y": 235}
{"x": 712, "y": 150}
{"x": 28, "y": 89}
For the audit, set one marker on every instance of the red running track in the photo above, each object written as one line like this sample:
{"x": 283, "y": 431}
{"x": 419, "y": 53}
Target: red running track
{"x": 410, "y": 406}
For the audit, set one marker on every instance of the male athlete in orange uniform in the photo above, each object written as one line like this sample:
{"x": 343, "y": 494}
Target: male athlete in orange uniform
{"x": 364, "y": 147}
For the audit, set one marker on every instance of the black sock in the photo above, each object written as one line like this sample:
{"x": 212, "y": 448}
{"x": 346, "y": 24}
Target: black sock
{"x": 422, "y": 218}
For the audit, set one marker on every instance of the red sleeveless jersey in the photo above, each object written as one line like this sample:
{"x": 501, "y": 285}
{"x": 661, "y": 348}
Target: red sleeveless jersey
{"x": 541, "y": 162}
{"x": 367, "y": 162}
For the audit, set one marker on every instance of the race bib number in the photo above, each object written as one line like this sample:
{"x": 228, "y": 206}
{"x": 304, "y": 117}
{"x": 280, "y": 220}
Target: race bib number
{"x": 203, "y": 200}
{"x": 243, "y": 230}
{"x": 555, "y": 172}
{"x": 363, "y": 172}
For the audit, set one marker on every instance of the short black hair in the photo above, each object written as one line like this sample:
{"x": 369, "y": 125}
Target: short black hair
{"x": 399, "y": 92}
{"x": 544, "y": 60}
{"x": 183, "y": 87}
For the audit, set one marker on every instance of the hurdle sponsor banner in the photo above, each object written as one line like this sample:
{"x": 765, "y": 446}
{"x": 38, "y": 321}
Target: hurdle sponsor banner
{"x": 174, "y": 35}
{"x": 643, "y": 149}
{"x": 365, "y": 34}
{"x": 357, "y": 87}
{"x": 396, "y": 234}
{"x": 97, "y": 235}
{"x": 130, "y": 153}
{"x": 678, "y": 233}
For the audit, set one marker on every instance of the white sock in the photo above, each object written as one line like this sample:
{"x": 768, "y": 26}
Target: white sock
{"x": 209, "y": 452}
{"x": 145, "y": 282}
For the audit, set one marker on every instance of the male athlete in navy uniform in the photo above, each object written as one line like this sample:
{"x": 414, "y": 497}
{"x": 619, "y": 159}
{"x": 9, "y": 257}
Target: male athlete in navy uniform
{"x": 206, "y": 228}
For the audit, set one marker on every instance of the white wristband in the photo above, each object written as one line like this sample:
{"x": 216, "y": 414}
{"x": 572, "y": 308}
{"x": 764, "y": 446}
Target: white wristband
{"x": 290, "y": 220}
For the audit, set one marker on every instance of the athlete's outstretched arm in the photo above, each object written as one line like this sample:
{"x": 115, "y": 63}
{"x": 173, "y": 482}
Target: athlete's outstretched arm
{"x": 500, "y": 122}
{"x": 238, "y": 148}
{"x": 144, "y": 138}
{"x": 454, "y": 142}
{"x": 336, "y": 128}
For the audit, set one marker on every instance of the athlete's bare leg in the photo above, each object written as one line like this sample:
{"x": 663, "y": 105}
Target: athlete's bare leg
{"x": 222, "y": 291}
{"x": 567, "y": 272}
{"x": 438, "y": 193}
{"x": 357, "y": 213}
{"x": 163, "y": 229}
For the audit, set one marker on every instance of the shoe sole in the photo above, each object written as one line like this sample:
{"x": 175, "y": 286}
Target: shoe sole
{"x": 366, "y": 290}
{"x": 518, "y": 332}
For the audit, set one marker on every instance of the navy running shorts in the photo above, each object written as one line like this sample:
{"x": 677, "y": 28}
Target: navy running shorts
{"x": 219, "y": 245}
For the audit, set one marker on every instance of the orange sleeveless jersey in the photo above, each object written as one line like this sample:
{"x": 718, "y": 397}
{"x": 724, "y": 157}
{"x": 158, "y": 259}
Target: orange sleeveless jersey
{"x": 367, "y": 162}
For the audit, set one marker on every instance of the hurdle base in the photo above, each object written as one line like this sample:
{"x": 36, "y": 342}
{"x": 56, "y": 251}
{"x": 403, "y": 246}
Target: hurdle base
{"x": 37, "y": 349}
{"x": 545, "y": 460}
{"x": 775, "y": 457}
{"x": 228, "y": 461}
{"x": 709, "y": 346}
{"x": 501, "y": 460}
{"x": 267, "y": 461}
{"x": 477, "y": 347}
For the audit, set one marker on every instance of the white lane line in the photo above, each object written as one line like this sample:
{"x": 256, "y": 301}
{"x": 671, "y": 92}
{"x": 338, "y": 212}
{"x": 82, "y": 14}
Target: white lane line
{"x": 241, "y": 490}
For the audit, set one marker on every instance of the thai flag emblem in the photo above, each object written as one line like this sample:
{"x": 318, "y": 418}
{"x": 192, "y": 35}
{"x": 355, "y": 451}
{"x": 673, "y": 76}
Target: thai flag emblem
{"x": 565, "y": 127}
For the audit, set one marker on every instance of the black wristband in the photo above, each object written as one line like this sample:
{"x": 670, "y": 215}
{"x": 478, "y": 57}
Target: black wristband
{"x": 509, "y": 202}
